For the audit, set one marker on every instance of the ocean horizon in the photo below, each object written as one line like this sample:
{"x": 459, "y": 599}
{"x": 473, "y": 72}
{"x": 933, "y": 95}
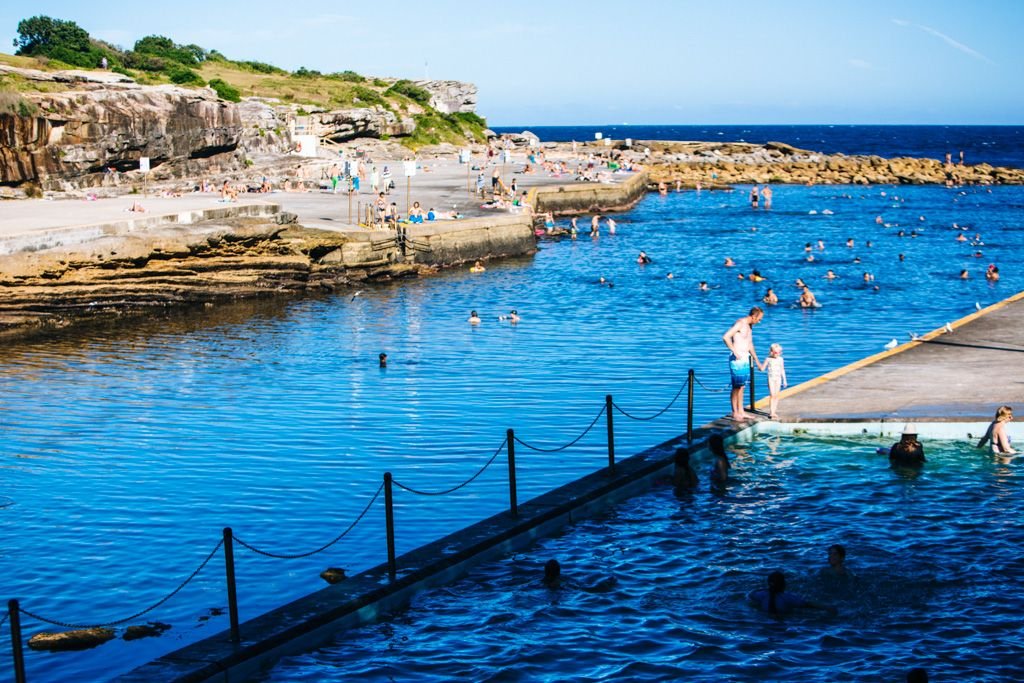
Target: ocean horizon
{"x": 998, "y": 145}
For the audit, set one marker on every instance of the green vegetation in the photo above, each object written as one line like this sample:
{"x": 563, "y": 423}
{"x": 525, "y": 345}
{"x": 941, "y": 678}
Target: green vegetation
{"x": 225, "y": 91}
{"x": 47, "y": 43}
{"x": 410, "y": 90}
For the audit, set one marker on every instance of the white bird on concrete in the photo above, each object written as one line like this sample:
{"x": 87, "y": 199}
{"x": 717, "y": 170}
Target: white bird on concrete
{"x": 948, "y": 328}
{"x": 355, "y": 295}
{"x": 913, "y": 336}
{"x": 892, "y": 344}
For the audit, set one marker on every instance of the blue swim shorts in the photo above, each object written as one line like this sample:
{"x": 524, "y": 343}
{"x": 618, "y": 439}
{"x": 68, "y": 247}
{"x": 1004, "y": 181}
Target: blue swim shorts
{"x": 740, "y": 371}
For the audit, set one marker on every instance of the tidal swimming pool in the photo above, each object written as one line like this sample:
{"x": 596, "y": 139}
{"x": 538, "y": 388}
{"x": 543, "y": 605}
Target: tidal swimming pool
{"x": 125, "y": 449}
{"x": 935, "y": 562}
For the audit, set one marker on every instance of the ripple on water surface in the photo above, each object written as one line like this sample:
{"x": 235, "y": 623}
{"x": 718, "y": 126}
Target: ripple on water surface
{"x": 673, "y": 611}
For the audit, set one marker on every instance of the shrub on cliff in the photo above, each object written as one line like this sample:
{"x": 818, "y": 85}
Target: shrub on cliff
{"x": 348, "y": 77}
{"x": 167, "y": 49}
{"x": 184, "y": 76}
{"x": 225, "y": 91}
{"x": 303, "y": 72}
{"x": 410, "y": 90}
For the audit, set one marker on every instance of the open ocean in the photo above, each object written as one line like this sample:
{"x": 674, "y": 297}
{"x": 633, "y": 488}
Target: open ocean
{"x": 996, "y": 145}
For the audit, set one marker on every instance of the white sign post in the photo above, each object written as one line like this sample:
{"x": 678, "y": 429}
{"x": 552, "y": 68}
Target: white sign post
{"x": 410, "y": 170}
{"x": 144, "y": 167}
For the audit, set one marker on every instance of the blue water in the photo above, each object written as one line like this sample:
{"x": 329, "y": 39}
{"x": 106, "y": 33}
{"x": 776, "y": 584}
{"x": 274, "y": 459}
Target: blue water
{"x": 126, "y": 448}
{"x": 996, "y": 145}
{"x": 656, "y": 589}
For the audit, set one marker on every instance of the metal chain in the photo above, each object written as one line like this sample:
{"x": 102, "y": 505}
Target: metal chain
{"x": 714, "y": 391}
{"x": 321, "y": 548}
{"x": 152, "y": 607}
{"x": 454, "y": 488}
{"x": 571, "y": 443}
{"x": 660, "y": 412}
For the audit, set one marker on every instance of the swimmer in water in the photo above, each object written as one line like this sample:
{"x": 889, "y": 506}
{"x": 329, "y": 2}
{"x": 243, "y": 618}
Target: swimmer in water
{"x": 836, "y": 563}
{"x": 382, "y": 359}
{"x": 720, "y": 464}
{"x": 755, "y": 276}
{"x": 669, "y": 276}
{"x": 729, "y": 263}
{"x": 643, "y": 259}
{"x": 992, "y": 274}
{"x": 807, "y": 299}
{"x": 775, "y": 600}
{"x": 800, "y": 283}
{"x": 830, "y": 275}
{"x": 683, "y": 476}
{"x": 770, "y": 297}
{"x": 821, "y": 245}
{"x": 477, "y": 267}
{"x": 868, "y": 277}
{"x": 810, "y": 258}
{"x": 703, "y": 286}
{"x": 963, "y": 274}
{"x": 474, "y": 319}
{"x": 996, "y": 433}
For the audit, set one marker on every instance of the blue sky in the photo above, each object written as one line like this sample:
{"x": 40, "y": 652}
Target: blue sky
{"x": 662, "y": 61}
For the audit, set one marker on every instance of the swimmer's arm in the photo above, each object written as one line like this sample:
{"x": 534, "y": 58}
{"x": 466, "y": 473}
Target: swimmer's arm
{"x": 984, "y": 439}
{"x": 1004, "y": 443}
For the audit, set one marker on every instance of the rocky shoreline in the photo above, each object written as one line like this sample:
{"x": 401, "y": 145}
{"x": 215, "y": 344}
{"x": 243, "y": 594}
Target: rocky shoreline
{"x": 718, "y": 165}
{"x": 214, "y": 262}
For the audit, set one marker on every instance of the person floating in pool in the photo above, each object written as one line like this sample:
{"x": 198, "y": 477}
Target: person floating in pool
{"x": 683, "y": 476}
{"x": 770, "y": 297}
{"x": 755, "y": 276}
{"x": 474, "y": 319}
{"x": 643, "y": 259}
{"x": 908, "y": 451}
{"x": 552, "y": 574}
{"x": 477, "y": 267}
{"x": 775, "y": 600}
{"x": 996, "y": 434}
{"x": 728, "y": 263}
{"x": 703, "y": 286}
{"x": 383, "y": 359}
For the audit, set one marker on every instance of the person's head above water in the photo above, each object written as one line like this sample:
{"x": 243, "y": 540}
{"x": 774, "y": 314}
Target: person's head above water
{"x": 836, "y": 556}
{"x": 552, "y": 572}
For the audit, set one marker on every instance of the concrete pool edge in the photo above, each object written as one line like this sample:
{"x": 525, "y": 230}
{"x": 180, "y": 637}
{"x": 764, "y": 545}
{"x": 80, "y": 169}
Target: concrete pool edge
{"x": 902, "y": 348}
{"x": 313, "y": 620}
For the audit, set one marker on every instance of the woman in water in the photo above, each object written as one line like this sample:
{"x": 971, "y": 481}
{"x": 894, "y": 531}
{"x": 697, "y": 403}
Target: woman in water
{"x": 996, "y": 433}
{"x": 775, "y": 600}
{"x": 770, "y": 297}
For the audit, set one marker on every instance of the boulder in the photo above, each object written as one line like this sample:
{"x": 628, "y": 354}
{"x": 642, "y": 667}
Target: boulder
{"x": 370, "y": 122}
{"x": 450, "y": 97}
{"x": 65, "y": 641}
{"x": 150, "y": 630}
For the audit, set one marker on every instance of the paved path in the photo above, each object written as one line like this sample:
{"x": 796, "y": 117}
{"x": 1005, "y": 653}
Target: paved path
{"x": 958, "y": 376}
{"x": 443, "y": 188}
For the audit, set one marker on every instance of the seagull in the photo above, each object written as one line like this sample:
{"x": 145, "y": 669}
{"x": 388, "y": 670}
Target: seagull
{"x": 977, "y": 305}
{"x": 892, "y": 344}
{"x": 355, "y": 295}
{"x": 948, "y": 328}
{"x": 913, "y": 336}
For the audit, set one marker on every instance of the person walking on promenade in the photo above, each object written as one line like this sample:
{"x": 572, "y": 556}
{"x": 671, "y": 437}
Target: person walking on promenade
{"x": 740, "y": 340}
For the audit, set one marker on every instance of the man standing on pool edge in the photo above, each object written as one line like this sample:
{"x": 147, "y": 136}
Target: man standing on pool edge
{"x": 740, "y": 340}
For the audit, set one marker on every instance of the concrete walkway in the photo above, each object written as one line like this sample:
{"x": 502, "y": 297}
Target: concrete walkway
{"x": 41, "y": 224}
{"x": 958, "y": 376}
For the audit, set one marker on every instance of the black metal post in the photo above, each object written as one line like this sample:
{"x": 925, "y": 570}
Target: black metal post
{"x": 689, "y": 406}
{"x": 389, "y": 513}
{"x": 611, "y": 434}
{"x": 510, "y": 444}
{"x": 752, "y": 399}
{"x": 14, "y": 616}
{"x": 229, "y": 566}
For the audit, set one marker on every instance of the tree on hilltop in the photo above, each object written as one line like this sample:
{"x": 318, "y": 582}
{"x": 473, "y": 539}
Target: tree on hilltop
{"x": 42, "y": 35}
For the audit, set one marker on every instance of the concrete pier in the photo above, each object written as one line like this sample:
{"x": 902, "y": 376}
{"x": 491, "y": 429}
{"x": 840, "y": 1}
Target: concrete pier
{"x": 959, "y": 376}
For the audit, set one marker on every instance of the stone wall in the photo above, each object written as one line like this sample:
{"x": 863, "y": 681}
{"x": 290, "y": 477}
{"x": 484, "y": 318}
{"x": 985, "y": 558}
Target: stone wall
{"x": 590, "y": 197}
